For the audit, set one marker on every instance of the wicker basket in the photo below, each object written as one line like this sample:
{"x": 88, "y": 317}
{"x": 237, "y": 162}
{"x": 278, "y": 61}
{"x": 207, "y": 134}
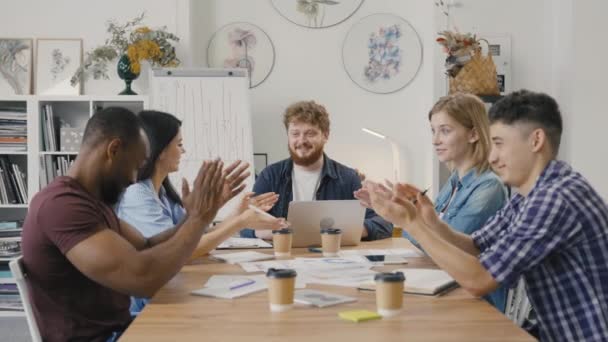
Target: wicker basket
{"x": 477, "y": 77}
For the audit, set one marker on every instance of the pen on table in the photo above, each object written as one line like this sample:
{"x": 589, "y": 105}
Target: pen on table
{"x": 421, "y": 194}
{"x": 249, "y": 282}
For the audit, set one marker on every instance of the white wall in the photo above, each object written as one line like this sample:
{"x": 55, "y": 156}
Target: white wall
{"x": 589, "y": 117}
{"x": 557, "y": 47}
{"x": 86, "y": 20}
{"x": 309, "y": 66}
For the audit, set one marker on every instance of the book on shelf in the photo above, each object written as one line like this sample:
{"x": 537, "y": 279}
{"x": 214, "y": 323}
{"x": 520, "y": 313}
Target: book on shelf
{"x": 13, "y": 189}
{"x": 49, "y": 128}
{"x": 11, "y": 224}
{"x": 10, "y": 240}
{"x": 54, "y": 166}
{"x": 9, "y": 293}
{"x": 13, "y": 129}
{"x": 10, "y": 248}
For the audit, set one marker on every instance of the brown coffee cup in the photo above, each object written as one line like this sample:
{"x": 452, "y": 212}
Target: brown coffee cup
{"x": 281, "y": 287}
{"x": 281, "y": 240}
{"x": 330, "y": 240}
{"x": 389, "y": 293}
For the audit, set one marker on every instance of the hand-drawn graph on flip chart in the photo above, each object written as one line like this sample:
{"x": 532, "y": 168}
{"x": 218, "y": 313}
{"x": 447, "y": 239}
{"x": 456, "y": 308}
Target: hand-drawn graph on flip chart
{"x": 213, "y": 106}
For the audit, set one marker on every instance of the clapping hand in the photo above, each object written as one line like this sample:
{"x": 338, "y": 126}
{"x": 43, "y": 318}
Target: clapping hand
{"x": 263, "y": 201}
{"x": 423, "y": 204}
{"x": 205, "y": 199}
{"x": 235, "y": 175}
{"x": 400, "y": 203}
{"x": 363, "y": 194}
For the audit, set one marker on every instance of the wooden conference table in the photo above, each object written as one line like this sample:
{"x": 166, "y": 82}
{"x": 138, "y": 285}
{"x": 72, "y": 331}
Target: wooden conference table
{"x": 175, "y": 315}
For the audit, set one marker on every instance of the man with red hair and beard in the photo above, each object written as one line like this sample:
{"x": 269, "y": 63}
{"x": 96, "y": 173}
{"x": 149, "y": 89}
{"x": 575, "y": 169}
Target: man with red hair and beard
{"x": 309, "y": 174}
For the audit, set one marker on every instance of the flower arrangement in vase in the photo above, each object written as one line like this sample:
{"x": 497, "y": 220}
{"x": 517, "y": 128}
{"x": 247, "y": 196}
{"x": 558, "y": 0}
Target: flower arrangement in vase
{"x": 132, "y": 43}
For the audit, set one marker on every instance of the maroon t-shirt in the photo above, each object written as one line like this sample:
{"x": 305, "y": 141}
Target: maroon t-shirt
{"x": 68, "y": 306}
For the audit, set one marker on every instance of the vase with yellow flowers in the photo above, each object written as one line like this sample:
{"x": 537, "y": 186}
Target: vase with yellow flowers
{"x": 132, "y": 43}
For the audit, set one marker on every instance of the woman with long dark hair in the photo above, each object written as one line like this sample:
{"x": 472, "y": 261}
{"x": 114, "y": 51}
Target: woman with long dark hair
{"x": 152, "y": 205}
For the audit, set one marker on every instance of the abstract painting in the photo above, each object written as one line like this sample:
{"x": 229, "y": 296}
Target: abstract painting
{"x": 316, "y": 13}
{"x": 56, "y": 61}
{"x": 382, "y": 53}
{"x": 242, "y": 45}
{"x": 15, "y": 66}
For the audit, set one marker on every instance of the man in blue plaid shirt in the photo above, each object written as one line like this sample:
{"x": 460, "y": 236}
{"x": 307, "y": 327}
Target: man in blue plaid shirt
{"x": 554, "y": 232}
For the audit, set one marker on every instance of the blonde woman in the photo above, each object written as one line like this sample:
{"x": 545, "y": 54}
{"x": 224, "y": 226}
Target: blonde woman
{"x": 473, "y": 193}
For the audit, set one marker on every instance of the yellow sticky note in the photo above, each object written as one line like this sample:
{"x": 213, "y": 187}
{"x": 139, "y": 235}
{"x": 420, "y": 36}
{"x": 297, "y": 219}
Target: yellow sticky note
{"x": 358, "y": 315}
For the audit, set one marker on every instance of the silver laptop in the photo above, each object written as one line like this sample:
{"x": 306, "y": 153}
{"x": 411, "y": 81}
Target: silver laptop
{"x": 308, "y": 217}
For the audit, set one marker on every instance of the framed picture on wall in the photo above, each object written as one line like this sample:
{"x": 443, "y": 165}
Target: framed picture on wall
{"x": 242, "y": 45}
{"x": 500, "y": 48}
{"x": 15, "y": 66}
{"x": 316, "y": 13}
{"x": 56, "y": 62}
{"x": 382, "y": 53}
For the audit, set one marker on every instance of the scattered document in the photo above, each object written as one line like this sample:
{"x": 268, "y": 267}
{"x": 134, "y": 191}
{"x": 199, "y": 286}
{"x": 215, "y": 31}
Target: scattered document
{"x": 263, "y": 266}
{"x": 236, "y": 242}
{"x": 320, "y": 299}
{"x": 238, "y": 257}
{"x": 234, "y": 286}
{"x": 352, "y": 278}
{"x": 404, "y": 252}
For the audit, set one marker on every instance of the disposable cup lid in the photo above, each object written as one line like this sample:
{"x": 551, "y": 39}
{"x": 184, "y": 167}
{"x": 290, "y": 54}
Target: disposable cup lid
{"x": 281, "y": 273}
{"x": 282, "y": 231}
{"x": 332, "y": 231}
{"x": 390, "y": 277}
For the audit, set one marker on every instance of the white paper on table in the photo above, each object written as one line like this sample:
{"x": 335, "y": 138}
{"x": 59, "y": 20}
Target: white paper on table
{"x": 238, "y": 257}
{"x": 237, "y": 242}
{"x": 354, "y": 278}
{"x": 263, "y": 266}
{"x": 404, "y": 252}
{"x": 333, "y": 264}
{"x": 234, "y": 286}
{"x": 219, "y": 286}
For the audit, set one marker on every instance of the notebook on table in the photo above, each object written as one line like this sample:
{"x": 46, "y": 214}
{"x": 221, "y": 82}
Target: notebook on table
{"x": 422, "y": 281}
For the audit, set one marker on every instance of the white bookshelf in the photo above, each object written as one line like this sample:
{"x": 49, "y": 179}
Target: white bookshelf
{"x": 75, "y": 110}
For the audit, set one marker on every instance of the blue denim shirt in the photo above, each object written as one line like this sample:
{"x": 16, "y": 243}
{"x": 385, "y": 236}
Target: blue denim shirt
{"x": 338, "y": 182}
{"x": 479, "y": 197}
{"x": 148, "y": 212}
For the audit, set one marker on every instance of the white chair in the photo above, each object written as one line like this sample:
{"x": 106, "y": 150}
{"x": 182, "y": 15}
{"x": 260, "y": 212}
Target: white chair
{"x": 16, "y": 267}
{"x": 518, "y": 305}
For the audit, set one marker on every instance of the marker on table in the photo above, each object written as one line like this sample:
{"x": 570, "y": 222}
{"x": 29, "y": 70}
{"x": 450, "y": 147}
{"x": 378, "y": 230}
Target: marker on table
{"x": 246, "y": 283}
